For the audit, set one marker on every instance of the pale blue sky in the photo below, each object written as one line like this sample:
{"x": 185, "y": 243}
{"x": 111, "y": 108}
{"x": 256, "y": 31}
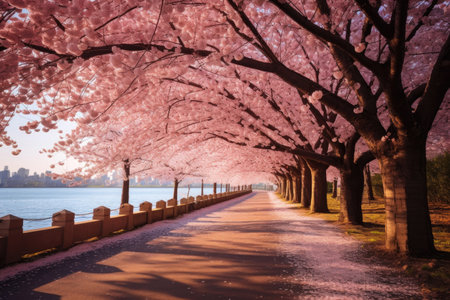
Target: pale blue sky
{"x": 30, "y": 144}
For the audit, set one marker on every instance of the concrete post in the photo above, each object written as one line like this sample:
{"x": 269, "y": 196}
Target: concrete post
{"x": 147, "y": 206}
{"x": 103, "y": 214}
{"x": 184, "y": 202}
{"x": 65, "y": 219}
{"x": 191, "y": 204}
{"x": 11, "y": 228}
{"x": 127, "y": 209}
{"x": 162, "y": 204}
{"x": 198, "y": 202}
{"x": 173, "y": 203}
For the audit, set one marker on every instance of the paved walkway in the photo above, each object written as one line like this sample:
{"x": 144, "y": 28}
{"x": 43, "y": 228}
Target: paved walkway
{"x": 253, "y": 247}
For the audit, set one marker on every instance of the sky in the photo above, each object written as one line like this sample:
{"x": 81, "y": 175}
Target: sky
{"x": 31, "y": 144}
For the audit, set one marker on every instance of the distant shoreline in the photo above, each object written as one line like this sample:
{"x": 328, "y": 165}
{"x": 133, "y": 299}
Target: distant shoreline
{"x": 96, "y": 186}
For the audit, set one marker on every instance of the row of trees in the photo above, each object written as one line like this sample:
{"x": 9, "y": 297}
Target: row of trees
{"x": 275, "y": 90}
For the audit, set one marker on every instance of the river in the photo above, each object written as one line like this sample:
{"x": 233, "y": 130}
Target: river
{"x": 39, "y": 203}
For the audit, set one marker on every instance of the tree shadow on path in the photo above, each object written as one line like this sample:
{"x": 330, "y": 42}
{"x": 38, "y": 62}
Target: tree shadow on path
{"x": 190, "y": 257}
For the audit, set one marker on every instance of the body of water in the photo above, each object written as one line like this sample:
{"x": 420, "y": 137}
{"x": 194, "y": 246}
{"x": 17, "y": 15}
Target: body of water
{"x": 38, "y": 203}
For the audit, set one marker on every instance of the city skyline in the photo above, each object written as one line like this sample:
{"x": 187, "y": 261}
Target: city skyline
{"x": 22, "y": 178}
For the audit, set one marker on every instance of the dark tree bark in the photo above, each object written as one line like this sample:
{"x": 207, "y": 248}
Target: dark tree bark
{"x": 126, "y": 182}
{"x": 306, "y": 185}
{"x": 297, "y": 187}
{"x": 334, "y": 188}
{"x": 175, "y": 189}
{"x": 368, "y": 183}
{"x": 408, "y": 224}
{"x": 352, "y": 186}
{"x": 215, "y": 188}
{"x": 288, "y": 188}
{"x": 319, "y": 186}
{"x": 202, "y": 189}
{"x": 352, "y": 182}
{"x": 291, "y": 188}
{"x": 284, "y": 187}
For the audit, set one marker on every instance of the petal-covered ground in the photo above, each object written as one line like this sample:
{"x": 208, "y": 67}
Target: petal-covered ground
{"x": 253, "y": 247}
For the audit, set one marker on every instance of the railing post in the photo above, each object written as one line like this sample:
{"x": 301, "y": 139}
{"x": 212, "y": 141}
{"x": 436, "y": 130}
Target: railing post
{"x": 198, "y": 201}
{"x": 173, "y": 203}
{"x": 127, "y": 209}
{"x": 11, "y": 228}
{"x": 162, "y": 205}
{"x": 147, "y": 206}
{"x": 65, "y": 219}
{"x": 191, "y": 204}
{"x": 103, "y": 214}
{"x": 184, "y": 203}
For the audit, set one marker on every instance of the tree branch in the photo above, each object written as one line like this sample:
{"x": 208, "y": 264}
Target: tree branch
{"x": 264, "y": 46}
{"x": 436, "y": 88}
{"x": 374, "y": 17}
{"x": 327, "y": 36}
{"x": 420, "y": 23}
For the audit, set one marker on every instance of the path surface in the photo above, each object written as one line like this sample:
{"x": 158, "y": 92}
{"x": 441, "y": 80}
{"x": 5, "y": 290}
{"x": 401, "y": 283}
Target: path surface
{"x": 253, "y": 247}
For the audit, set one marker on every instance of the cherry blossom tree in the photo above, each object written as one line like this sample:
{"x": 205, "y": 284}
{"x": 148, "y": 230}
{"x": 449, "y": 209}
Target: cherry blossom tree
{"x": 269, "y": 117}
{"x": 374, "y": 46}
{"x": 392, "y": 57}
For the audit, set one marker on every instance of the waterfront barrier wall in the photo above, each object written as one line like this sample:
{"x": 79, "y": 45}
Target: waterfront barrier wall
{"x": 64, "y": 232}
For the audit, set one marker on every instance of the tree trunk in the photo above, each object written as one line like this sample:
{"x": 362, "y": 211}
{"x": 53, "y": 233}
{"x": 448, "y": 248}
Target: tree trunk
{"x": 334, "y": 188}
{"x": 283, "y": 187}
{"x": 175, "y": 189}
{"x": 294, "y": 196}
{"x": 297, "y": 188}
{"x": 369, "y": 183}
{"x": 291, "y": 188}
{"x": 288, "y": 188}
{"x": 126, "y": 182}
{"x": 408, "y": 225}
{"x": 215, "y": 188}
{"x": 202, "y": 189}
{"x": 319, "y": 187}
{"x": 306, "y": 186}
{"x": 352, "y": 186}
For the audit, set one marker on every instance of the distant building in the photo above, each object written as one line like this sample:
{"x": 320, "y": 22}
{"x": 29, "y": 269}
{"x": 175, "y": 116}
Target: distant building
{"x": 22, "y": 172}
{"x": 22, "y": 178}
{"x": 4, "y": 176}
